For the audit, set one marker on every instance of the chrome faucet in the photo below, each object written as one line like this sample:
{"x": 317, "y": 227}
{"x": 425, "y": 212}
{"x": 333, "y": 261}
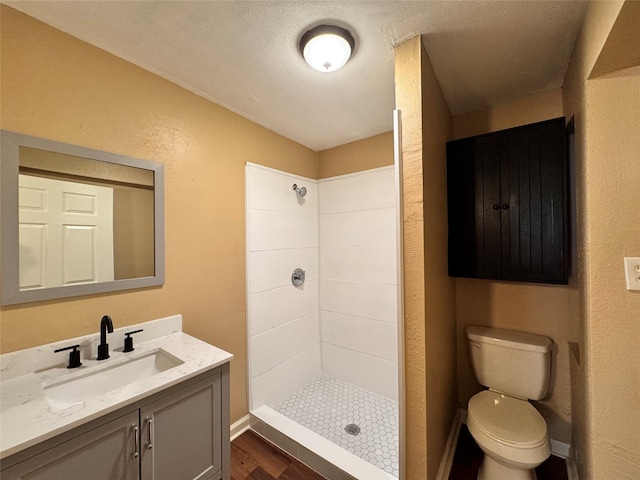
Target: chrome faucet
{"x": 105, "y": 325}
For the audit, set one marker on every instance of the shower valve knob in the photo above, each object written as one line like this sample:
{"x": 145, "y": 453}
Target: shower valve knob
{"x": 297, "y": 277}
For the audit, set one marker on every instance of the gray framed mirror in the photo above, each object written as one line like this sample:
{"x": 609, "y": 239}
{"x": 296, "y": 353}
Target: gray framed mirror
{"x": 77, "y": 221}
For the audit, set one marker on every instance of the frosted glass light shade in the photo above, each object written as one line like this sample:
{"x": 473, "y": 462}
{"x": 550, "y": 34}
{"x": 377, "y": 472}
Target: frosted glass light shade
{"x": 327, "y": 48}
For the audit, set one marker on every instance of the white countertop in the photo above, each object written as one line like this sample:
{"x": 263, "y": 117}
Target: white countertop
{"x": 26, "y": 416}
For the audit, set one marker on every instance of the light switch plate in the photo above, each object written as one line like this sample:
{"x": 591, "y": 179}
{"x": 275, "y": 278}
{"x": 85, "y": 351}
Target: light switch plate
{"x": 632, "y": 272}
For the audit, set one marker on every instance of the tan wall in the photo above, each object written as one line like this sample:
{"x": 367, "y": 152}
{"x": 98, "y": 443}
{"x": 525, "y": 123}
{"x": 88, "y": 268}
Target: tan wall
{"x": 606, "y": 372}
{"x": 535, "y": 308}
{"x": 60, "y": 88}
{"x": 429, "y": 307}
{"x": 521, "y": 111}
{"x": 409, "y": 101}
{"x": 440, "y": 298}
{"x": 372, "y": 152}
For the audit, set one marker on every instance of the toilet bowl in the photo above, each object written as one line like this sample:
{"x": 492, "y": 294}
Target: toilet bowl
{"x": 509, "y": 430}
{"x": 511, "y": 433}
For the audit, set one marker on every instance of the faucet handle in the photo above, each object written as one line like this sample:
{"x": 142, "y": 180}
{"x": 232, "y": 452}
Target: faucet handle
{"x": 74, "y": 355}
{"x": 128, "y": 341}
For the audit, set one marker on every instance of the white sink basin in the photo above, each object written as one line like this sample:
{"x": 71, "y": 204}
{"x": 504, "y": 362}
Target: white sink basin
{"x": 101, "y": 379}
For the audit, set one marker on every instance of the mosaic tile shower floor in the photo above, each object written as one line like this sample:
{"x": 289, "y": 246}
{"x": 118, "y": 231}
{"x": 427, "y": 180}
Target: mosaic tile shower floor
{"x": 327, "y": 405}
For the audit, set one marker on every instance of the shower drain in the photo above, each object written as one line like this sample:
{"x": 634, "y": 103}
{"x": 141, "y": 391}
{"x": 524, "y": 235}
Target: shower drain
{"x": 352, "y": 429}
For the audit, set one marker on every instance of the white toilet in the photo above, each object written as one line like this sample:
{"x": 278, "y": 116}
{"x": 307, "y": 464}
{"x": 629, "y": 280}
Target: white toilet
{"x": 509, "y": 430}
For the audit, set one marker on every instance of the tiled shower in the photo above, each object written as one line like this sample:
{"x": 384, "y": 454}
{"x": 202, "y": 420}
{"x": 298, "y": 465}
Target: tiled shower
{"x": 323, "y": 354}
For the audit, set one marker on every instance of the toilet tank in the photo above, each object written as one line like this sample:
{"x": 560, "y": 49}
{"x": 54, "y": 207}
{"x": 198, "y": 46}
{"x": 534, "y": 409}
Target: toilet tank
{"x": 510, "y": 362}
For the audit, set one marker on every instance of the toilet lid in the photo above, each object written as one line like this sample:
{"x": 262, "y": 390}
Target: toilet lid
{"x": 507, "y": 419}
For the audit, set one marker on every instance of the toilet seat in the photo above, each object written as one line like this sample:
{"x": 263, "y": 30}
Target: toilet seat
{"x": 508, "y": 420}
{"x": 508, "y": 428}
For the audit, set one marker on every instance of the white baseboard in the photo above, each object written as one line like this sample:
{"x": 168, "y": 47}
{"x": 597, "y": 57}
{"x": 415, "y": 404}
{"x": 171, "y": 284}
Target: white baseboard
{"x": 561, "y": 449}
{"x": 450, "y": 449}
{"x": 239, "y": 427}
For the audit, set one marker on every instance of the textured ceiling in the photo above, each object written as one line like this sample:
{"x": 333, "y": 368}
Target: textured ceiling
{"x": 244, "y": 55}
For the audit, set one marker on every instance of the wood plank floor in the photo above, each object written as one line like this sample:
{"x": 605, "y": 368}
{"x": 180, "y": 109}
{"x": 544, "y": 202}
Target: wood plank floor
{"x": 253, "y": 458}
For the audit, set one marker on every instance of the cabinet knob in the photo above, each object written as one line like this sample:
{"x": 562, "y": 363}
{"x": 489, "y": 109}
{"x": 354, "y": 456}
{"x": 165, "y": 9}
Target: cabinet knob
{"x": 496, "y": 207}
{"x": 505, "y": 206}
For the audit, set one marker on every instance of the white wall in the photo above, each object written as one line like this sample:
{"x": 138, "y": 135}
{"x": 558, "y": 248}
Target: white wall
{"x": 358, "y": 306}
{"x": 283, "y": 323}
{"x": 342, "y": 322}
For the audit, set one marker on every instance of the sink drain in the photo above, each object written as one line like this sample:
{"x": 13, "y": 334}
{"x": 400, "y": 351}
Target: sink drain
{"x": 352, "y": 429}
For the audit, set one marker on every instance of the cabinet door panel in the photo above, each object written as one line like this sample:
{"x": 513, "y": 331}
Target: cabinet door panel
{"x": 553, "y": 177}
{"x": 488, "y": 220}
{"x": 104, "y": 453}
{"x": 461, "y": 205}
{"x": 513, "y": 224}
{"x": 537, "y": 244}
{"x": 183, "y": 439}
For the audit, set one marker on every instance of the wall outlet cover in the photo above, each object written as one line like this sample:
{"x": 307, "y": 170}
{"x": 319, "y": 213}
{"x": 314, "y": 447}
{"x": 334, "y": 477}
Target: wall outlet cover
{"x": 632, "y": 272}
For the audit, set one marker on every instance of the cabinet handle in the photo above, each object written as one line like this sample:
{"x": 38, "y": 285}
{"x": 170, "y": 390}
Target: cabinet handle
{"x": 136, "y": 441}
{"x": 149, "y": 433}
{"x": 496, "y": 207}
{"x": 505, "y": 206}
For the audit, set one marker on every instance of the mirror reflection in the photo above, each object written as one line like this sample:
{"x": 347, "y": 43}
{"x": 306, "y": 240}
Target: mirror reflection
{"x": 77, "y": 221}
{"x": 82, "y": 220}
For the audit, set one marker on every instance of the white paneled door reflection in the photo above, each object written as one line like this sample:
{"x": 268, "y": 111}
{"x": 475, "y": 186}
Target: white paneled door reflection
{"x": 66, "y": 233}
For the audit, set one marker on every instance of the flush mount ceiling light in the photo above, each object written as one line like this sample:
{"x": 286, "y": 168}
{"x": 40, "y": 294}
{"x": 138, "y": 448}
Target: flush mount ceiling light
{"x": 326, "y": 48}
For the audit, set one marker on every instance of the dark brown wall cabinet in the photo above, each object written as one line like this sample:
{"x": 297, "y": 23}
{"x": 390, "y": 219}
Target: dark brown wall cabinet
{"x": 507, "y": 204}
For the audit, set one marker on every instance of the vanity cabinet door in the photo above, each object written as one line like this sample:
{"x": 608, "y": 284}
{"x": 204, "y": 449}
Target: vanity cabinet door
{"x": 106, "y": 452}
{"x": 181, "y": 436}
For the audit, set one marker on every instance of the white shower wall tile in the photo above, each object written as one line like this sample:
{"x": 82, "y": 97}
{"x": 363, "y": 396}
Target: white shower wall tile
{"x": 360, "y": 191}
{"x": 378, "y": 189}
{"x": 378, "y": 227}
{"x": 276, "y": 345}
{"x": 288, "y": 303}
{"x": 293, "y": 230}
{"x": 269, "y": 269}
{"x": 366, "y": 227}
{"x": 261, "y": 186}
{"x": 309, "y": 298}
{"x": 341, "y": 263}
{"x": 285, "y": 378}
{"x": 269, "y": 189}
{"x": 259, "y": 272}
{"x": 259, "y": 225}
{"x": 263, "y": 356}
{"x": 371, "y": 300}
{"x": 364, "y": 335}
{"x": 339, "y": 229}
{"x": 375, "y": 264}
{"x": 284, "y": 305}
{"x": 282, "y": 231}
{"x": 366, "y": 371}
{"x": 283, "y": 262}
{"x": 298, "y": 335}
{"x": 259, "y": 312}
{"x": 378, "y": 264}
{"x": 339, "y": 195}
{"x": 378, "y": 301}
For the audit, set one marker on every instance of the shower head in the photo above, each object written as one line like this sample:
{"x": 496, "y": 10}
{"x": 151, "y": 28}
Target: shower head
{"x": 301, "y": 191}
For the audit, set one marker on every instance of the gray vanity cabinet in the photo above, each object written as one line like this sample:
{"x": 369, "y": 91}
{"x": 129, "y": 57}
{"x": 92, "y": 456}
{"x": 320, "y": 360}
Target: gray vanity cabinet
{"x": 181, "y": 433}
{"x": 101, "y": 453}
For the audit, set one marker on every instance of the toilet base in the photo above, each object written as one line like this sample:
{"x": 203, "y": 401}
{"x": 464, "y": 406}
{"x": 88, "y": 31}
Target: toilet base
{"x": 492, "y": 470}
